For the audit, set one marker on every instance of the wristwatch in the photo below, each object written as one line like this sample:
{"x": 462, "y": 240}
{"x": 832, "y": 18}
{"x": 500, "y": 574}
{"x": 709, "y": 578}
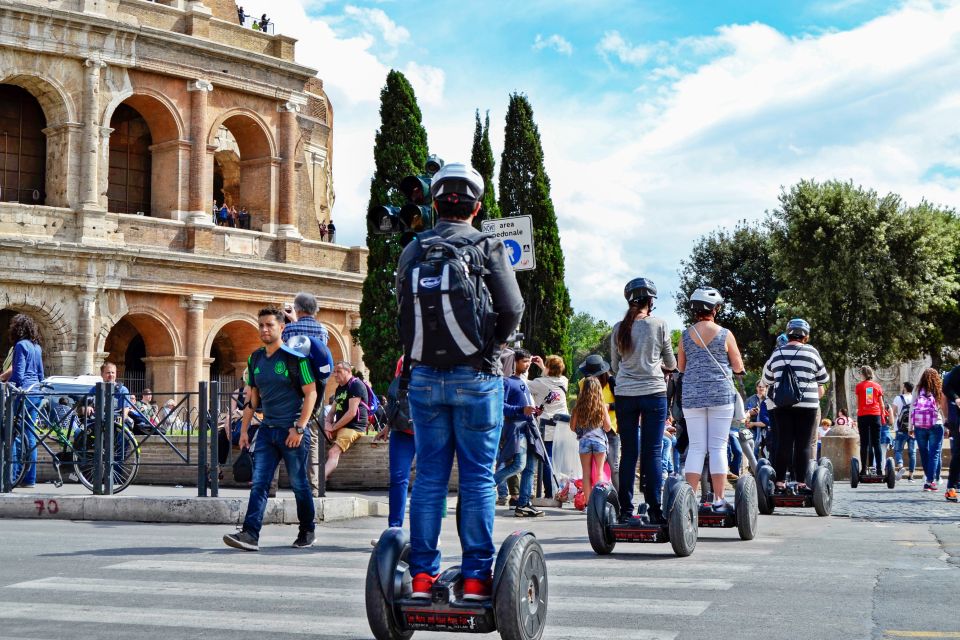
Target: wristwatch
{"x": 298, "y": 428}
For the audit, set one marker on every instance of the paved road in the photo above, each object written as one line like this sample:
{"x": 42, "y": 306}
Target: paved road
{"x": 803, "y": 577}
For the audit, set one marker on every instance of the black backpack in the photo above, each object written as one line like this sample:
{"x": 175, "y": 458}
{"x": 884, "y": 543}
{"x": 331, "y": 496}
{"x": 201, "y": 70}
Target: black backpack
{"x": 398, "y": 409}
{"x": 788, "y": 391}
{"x": 446, "y": 311}
{"x": 903, "y": 418}
{"x": 243, "y": 467}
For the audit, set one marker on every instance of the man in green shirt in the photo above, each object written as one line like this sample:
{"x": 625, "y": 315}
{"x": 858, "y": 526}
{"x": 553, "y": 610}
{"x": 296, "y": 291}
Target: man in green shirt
{"x": 281, "y": 383}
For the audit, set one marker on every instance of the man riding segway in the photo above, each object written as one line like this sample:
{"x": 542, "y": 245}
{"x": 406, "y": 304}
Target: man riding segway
{"x": 459, "y": 302}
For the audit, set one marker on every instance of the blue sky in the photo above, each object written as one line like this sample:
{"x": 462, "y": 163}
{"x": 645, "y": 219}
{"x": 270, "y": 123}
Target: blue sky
{"x": 660, "y": 121}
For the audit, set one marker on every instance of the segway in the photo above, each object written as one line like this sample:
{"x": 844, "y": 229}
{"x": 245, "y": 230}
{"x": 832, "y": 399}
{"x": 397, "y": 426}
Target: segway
{"x": 518, "y": 609}
{"x": 605, "y": 528}
{"x": 818, "y": 492}
{"x": 889, "y": 474}
{"x": 742, "y": 514}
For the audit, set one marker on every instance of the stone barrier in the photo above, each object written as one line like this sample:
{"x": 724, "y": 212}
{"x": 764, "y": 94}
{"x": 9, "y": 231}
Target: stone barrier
{"x": 840, "y": 449}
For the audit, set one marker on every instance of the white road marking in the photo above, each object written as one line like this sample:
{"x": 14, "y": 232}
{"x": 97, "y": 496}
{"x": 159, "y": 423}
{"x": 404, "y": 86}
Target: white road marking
{"x": 240, "y": 620}
{"x": 643, "y": 606}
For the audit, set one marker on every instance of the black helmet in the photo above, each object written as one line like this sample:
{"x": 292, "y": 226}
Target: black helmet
{"x": 639, "y": 288}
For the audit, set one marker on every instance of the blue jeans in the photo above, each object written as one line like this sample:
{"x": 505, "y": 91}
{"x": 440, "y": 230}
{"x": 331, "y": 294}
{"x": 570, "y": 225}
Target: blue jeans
{"x": 930, "y": 442}
{"x": 460, "y": 411}
{"x": 524, "y": 462}
{"x": 640, "y": 422}
{"x": 27, "y": 408}
{"x": 670, "y": 458}
{"x": 402, "y": 450}
{"x": 735, "y": 451}
{"x": 886, "y": 438}
{"x": 905, "y": 439}
{"x": 270, "y": 449}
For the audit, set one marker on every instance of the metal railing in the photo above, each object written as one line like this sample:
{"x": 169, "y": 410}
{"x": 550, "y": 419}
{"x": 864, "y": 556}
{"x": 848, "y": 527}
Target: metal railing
{"x": 101, "y": 448}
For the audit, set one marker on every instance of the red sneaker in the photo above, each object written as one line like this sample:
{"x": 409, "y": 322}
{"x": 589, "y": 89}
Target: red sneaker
{"x": 421, "y": 585}
{"x": 477, "y": 589}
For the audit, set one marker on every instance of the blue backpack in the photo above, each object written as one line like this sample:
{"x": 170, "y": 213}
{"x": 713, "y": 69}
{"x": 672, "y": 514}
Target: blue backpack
{"x": 319, "y": 356}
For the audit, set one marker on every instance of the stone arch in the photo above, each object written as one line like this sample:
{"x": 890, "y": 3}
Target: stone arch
{"x": 147, "y": 153}
{"x": 58, "y": 107}
{"x": 241, "y": 144}
{"x": 253, "y": 134}
{"x": 61, "y": 131}
{"x": 136, "y": 342}
{"x": 57, "y": 333}
{"x": 228, "y": 345}
{"x": 160, "y": 112}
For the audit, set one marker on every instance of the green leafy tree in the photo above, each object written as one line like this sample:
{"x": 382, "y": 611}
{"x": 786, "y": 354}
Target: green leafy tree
{"x": 739, "y": 264}
{"x": 400, "y": 149}
{"x": 525, "y": 190}
{"x": 481, "y": 157}
{"x": 865, "y": 271}
{"x": 588, "y": 335}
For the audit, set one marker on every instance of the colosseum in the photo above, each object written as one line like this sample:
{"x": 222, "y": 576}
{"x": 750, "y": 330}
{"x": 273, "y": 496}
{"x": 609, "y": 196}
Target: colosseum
{"x": 122, "y": 122}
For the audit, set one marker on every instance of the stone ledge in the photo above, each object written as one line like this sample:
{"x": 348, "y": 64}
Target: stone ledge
{"x": 177, "y": 510}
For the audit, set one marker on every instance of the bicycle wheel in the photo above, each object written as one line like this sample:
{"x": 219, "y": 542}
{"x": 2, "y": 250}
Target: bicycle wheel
{"x": 126, "y": 456}
{"x": 126, "y": 459}
{"x": 83, "y": 449}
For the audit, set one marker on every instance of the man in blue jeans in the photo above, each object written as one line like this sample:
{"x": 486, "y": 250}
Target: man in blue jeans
{"x": 280, "y": 382}
{"x": 459, "y": 408}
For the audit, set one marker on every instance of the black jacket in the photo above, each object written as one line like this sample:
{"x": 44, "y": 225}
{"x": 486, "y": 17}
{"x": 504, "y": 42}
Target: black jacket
{"x": 501, "y": 281}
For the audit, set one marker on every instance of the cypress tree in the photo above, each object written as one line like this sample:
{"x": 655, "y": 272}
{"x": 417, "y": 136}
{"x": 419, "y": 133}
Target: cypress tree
{"x": 481, "y": 157}
{"x": 525, "y": 190}
{"x": 400, "y": 149}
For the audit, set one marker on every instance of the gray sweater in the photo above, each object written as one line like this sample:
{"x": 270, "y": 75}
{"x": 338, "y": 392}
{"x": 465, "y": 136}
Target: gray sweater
{"x": 639, "y": 371}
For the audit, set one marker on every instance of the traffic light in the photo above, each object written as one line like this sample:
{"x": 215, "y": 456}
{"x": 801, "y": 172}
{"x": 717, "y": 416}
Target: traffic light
{"x": 416, "y": 215}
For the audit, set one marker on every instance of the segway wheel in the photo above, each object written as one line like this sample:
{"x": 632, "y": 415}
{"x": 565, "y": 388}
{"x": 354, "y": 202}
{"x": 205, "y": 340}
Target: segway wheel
{"x": 520, "y": 601}
{"x": 601, "y": 515}
{"x": 766, "y": 478}
{"x": 381, "y": 614}
{"x": 811, "y": 469}
{"x": 823, "y": 491}
{"x": 745, "y": 502}
{"x": 683, "y": 522}
{"x": 854, "y": 473}
{"x": 890, "y": 473}
{"x": 826, "y": 462}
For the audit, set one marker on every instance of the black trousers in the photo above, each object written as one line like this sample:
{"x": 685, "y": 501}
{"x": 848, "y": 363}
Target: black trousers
{"x": 869, "y": 428}
{"x": 794, "y": 428}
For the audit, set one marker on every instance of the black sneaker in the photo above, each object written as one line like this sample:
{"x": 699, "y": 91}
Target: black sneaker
{"x": 304, "y": 539}
{"x": 655, "y": 517}
{"x": 243, "y": 540}
{"x": 528, "y": 511}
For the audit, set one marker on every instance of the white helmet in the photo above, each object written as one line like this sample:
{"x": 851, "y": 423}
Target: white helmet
{"x": 705, "y": 299}
{"x": 457, "y": 178}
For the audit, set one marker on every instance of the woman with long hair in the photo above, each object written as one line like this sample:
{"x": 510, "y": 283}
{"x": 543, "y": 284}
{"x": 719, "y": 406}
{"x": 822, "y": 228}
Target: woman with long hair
{"x": 641, "y": 353}
{"x": 926, "y": 424}
{"x": 709, "y": 358}
{"x": 591, "y": 423}
{"x": 27, "y": 372}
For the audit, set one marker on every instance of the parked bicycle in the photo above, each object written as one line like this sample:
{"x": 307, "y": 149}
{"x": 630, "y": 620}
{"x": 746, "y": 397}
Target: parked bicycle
{"x": 68, "y": 438}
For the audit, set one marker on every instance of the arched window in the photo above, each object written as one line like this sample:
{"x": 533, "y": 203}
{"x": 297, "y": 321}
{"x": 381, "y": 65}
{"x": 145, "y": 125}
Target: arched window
{"x": 23, "y": 147}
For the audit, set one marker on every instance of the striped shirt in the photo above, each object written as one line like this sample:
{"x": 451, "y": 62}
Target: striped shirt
{"x": 806, "y": 363}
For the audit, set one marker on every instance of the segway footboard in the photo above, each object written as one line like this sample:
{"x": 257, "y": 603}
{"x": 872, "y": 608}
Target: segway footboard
{"x": 446, "y": 610}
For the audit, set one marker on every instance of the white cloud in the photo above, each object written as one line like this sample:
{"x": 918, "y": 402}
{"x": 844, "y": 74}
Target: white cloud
{"x": 615, "y": 44}
{"x": 556, "y": 42}
{"x": 393, "y": 34}
{"x": 428, "y": 82}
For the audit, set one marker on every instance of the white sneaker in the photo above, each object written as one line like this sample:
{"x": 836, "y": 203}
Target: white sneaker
{"x": 901, "y": 472}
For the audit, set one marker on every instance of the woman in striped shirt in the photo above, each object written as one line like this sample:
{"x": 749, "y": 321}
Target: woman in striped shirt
{"x": 795, "y": 424}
